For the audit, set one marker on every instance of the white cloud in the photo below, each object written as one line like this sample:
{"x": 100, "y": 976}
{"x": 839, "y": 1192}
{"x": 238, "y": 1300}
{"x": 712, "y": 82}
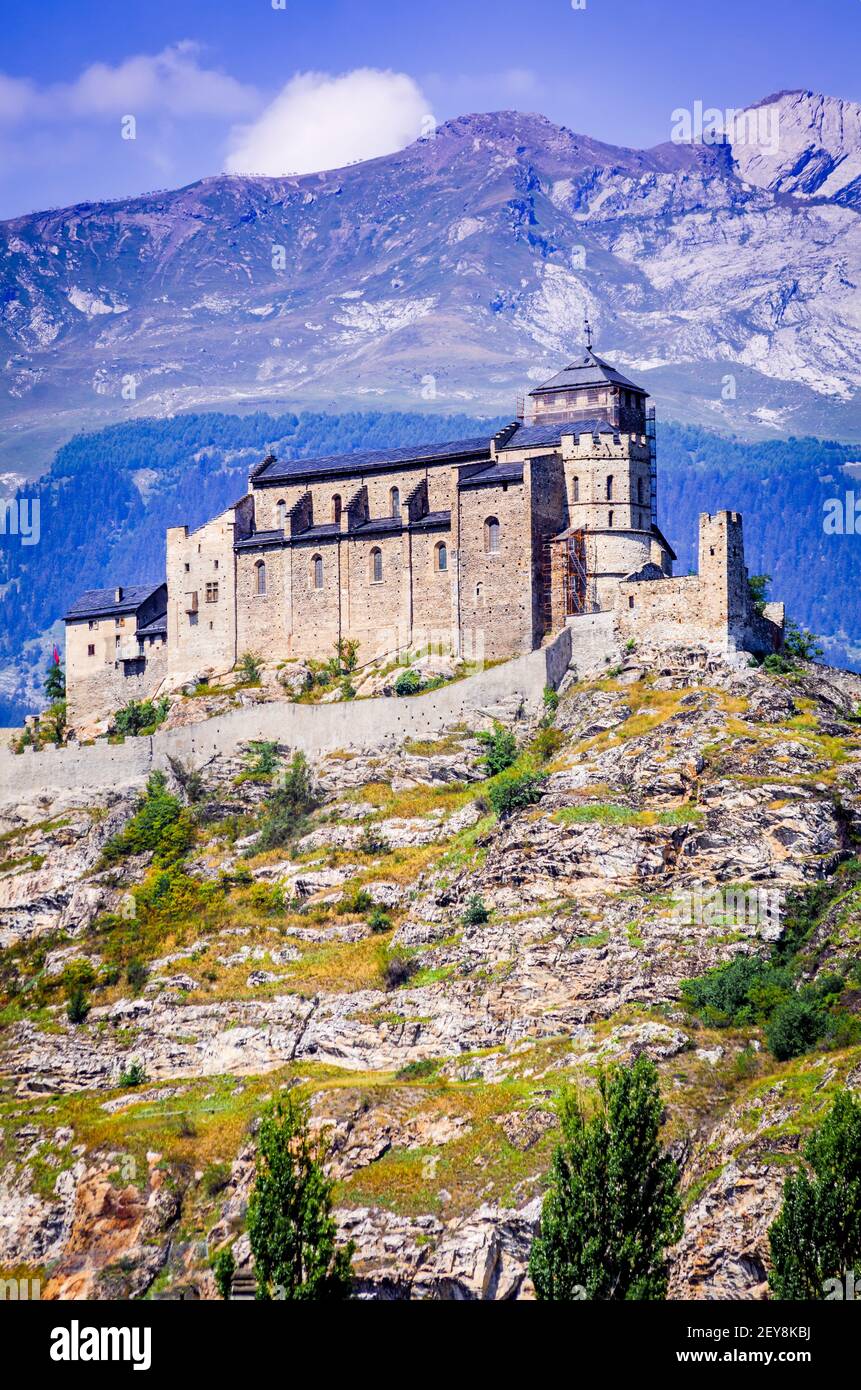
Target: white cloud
{"x": 320, "y": 121}
{"x": 172, "y": 82}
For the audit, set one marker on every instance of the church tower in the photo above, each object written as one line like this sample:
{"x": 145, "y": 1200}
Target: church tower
{"x": 606, "y": 432}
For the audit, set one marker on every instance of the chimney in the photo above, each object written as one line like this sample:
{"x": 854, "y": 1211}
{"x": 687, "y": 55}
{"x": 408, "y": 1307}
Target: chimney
{"x": 118, "y": 595}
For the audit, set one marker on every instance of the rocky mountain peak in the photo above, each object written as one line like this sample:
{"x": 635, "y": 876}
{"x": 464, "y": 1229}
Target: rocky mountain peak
{"x": 801, "y": 142}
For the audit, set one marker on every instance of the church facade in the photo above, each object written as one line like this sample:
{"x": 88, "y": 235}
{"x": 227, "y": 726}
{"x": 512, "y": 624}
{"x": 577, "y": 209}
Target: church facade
{"x": 484, "y": 547}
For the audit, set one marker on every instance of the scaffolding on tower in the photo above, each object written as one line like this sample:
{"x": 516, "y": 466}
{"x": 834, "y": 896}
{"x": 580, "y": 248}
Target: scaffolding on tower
{"x": 653, "y": 462}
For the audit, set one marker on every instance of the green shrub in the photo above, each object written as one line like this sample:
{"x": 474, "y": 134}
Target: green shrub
{"x": 550, "y": 700}
{"x": 249, "y": 668}
{"x": 137, "y": 975}
{"x": 135, "y": 1075}
{"x": 223, "y": 1268}
{"x": 215, "y": 1178}
{"x": 515, "y": 791}
{"x": 78, "y": 1006}
{"x": 408, "y": 683}
{"x": 379, "y": 921}
{"x": 288, "y": 806}
{"x": 140, "y": 717}
{"x": 795, "y": 1026}
{"x": 159, "y": 825}
{"x": 263, "y": 757}
{"x": 501, "y": 749}
{"x": 371, "y": 841}
{"x": 398, "y": 967}
{"x": 476, "y": 913}
{"x": 417, "y": 1071}
{"x": 547, "y": 743}
{"x": 744, "y": 990}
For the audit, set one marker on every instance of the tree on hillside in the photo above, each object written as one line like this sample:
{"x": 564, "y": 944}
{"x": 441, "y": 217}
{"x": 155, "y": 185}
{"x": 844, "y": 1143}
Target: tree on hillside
{"x": 54, "y": 684}
{"x": 613, "y": 1206}
{"x": 817, "y": 1235}
{"x": 290, "y": 1223}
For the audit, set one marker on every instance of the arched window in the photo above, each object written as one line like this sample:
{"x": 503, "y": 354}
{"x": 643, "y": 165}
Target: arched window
{"x": 491, "y": 535}
{"x": 376, "y": 565}
{"x": 261, "y": 576}
{"x": 441, "y": 553}
{"x": 479, "y": 592}
{"x": 576, "y": 489}
{"x": 610, "y": 488}
{"x": 281, "y": 514}
{"x": 395, "y": 501}
{"x": 336, "y": 509}
{"x": 317, "y": 571}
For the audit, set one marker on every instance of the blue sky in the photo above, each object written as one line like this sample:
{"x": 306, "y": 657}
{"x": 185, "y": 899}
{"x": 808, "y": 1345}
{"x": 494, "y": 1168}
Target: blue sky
{"x": 228, "y": 84}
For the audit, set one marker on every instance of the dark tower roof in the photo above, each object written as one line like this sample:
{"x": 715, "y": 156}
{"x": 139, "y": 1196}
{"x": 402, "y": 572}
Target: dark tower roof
{"x": 590, "y": 370}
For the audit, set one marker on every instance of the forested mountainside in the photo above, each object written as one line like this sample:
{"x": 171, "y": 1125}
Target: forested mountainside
{"x": 109, "y": 497}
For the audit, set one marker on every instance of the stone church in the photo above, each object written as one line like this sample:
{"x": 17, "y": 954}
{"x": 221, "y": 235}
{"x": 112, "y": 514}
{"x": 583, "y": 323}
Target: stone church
{"x": 483, "y": 546}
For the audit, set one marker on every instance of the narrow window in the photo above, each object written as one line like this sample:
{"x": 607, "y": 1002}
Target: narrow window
{"x": 261, "y": 576}
{"x": 609, "y": 518}
{"x": 491, "y": 535}
{"x": 442, "y": 556}
{"x": 376, "y": 565}
{"x": 576, "y": 487}
{"x": 317, "y": 564}
{"x": 336, "y": 509}
{"x": 640, "y": 491}
{"x": 395, "y": 501}
{"x": 630, "y": 601}
{"x": 610, "y": 488}
{"x": 187, "y": 567}
{"x": 91, "y": 650}
{"x": 281, "y": 515}
{"x": 215, "y": 564}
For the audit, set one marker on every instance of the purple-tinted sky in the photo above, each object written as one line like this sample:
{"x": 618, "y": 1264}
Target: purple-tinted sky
{"x": 242, "y": 84}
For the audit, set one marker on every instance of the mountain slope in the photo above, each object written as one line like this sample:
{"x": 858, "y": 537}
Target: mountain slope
{"x": 449, "y": 275}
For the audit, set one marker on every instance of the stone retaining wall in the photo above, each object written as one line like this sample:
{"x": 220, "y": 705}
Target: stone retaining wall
{"x": 311, "y": 729}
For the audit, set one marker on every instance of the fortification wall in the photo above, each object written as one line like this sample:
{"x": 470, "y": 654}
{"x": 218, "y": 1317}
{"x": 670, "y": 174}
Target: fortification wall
{"x": 29, "y": 777}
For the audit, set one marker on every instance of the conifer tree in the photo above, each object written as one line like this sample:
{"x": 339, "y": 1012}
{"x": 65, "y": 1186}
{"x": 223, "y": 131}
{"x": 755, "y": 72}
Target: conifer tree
{"x": 613, "y": 1206}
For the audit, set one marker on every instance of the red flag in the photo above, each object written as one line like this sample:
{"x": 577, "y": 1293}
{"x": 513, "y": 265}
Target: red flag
{"x": 56, "y": 655}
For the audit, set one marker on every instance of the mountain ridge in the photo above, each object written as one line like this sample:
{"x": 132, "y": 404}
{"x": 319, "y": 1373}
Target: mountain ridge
{"x": 450, "y": 275}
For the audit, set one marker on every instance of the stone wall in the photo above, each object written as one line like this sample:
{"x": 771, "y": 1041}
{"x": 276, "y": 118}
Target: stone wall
{"x": 201, "y": 584}
{"x": 496, "y": 587}
{"x": 28, "y": 778}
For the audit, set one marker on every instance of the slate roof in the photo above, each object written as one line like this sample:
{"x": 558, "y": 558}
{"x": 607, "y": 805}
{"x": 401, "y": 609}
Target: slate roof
{"x": 103, "y": 603}
{"x": 590, "y": 370}
{"x": 258, "y": 539}
{"x": 492, "y": 476}
{"x": 371, "y": 460}
{"x": 157, "y": 628}
{"x": 550, "y": 436}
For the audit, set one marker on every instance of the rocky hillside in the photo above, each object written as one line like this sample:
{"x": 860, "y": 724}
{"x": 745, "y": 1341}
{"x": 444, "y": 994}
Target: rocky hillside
{"x": 433, "y": 972}
{"x": 455, "y": 273}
